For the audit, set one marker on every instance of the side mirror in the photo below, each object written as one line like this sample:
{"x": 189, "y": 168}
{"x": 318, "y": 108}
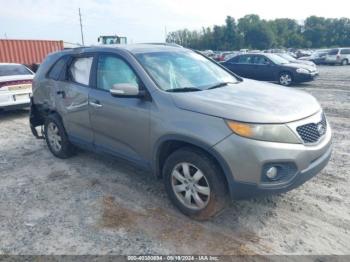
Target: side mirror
{"x": 126, "y": 90}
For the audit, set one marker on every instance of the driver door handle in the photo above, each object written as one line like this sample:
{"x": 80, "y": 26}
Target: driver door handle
{"x": 95, "y": 103}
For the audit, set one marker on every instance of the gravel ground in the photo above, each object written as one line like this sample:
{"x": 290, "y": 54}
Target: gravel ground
{"x": 93, "y": 204}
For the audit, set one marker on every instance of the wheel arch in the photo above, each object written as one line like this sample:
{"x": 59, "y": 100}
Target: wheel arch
{"x": 285, "y": 71}
{"x": 168, "y": 144}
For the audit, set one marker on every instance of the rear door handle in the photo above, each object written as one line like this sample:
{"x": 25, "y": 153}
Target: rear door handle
{"x": 61, "y": 93}
{"x": 95, "y": 103}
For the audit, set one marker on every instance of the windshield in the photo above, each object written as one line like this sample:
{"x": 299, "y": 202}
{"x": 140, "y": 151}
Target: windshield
{"x": 184, "y": 70}
{"x": 10, "y": 70}
{"x": 287, "y": 57}
{"x": 277, "y": 59}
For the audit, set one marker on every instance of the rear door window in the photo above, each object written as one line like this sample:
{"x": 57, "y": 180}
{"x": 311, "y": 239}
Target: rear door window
{"x": 261, "y": 60}
{"x": 79, "y": 70}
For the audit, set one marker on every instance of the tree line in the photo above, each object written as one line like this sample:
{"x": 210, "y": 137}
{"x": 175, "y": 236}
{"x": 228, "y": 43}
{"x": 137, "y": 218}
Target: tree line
{"x": 253, "y": 32}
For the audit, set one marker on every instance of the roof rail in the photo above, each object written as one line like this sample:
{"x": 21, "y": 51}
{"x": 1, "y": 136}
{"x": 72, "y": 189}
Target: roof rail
{"x": 165, "y": 44}
{"x": 79, "y": 49}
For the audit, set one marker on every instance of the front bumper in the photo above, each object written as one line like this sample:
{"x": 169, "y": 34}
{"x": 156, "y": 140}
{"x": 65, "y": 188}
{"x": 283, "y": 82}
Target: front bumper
{"x": 246, "y": 160}
{"x": 298, "y": 77}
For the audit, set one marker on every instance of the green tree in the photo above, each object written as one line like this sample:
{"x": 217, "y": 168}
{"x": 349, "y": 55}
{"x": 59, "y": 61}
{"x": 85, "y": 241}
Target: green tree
{"x": 315, "y": 31}
{"x": 257, "y": 33}
{"x": 287, "y": 32}
{"x": 252, "y": 32}
{"x": 230, "y": 34}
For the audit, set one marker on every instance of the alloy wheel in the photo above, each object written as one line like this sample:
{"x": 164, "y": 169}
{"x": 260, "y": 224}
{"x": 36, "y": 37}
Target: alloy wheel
{"x": 285, "y": 79}
{"x": 54, "y": 137}
{"x": 190, "y": 186}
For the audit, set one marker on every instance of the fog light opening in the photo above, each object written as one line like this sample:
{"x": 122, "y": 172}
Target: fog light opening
{"x": 272, "y": 173}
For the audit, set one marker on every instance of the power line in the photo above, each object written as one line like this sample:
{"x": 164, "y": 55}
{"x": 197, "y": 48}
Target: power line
{"x": 81, "y": 29}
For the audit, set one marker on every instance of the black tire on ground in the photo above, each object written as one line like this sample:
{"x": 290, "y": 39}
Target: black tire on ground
{"x": 66, "y": 149}
{"x": 282, "y": 80}
{"x": 218, "y": 197}
{"x": 344, "y": 62}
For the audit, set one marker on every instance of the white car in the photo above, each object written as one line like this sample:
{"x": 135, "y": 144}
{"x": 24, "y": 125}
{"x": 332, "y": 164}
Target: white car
{"x": 338, "y": 56}
{"x": 15, "y": 86}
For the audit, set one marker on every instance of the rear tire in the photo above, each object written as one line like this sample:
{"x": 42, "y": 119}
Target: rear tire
{"x": 285, "y": 79}
{"x": 344, "y": 62}
{"x": 194, "y": 183}
{"x": 56, "y": 137}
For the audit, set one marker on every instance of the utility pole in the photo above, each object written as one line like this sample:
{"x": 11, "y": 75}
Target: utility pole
{"x": 81, "y": 29}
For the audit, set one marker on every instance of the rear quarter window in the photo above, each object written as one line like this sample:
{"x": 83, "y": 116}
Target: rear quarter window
{"x": 58, "y": 68}
{"x": 345, "y": 51}
{"x": 234, "y": 60}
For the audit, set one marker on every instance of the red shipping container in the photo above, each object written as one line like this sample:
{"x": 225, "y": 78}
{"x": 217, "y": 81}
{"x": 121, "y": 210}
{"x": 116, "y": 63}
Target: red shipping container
{"x": 27, "y": 51}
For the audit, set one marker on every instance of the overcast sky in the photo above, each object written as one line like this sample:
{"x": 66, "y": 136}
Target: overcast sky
{"x": 143, "y": 20}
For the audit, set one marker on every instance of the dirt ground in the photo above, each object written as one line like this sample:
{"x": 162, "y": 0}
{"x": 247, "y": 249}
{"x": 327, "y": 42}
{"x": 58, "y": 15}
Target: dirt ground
{"x": 92, "y": 204}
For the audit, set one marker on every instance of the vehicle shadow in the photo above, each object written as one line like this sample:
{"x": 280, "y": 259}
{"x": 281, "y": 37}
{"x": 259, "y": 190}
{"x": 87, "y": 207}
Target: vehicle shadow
{"x": 302, "y": 85}
{"x": 230, "y": 232}
{"x": 13, "y": 114}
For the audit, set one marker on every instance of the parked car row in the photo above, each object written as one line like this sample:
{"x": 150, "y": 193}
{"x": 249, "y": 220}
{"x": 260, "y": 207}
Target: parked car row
{"x": 271, "y": 67}
{"x": 339, "y": 56}
{"x": 318, "y": 57}
{"x": 336, "y": 56}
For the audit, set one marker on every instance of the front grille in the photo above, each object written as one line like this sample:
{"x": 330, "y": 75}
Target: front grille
{"x": 311, "y": 133}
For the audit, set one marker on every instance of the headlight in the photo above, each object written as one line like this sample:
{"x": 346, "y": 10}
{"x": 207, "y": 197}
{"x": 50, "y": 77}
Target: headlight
{"x": 303, "y": 71}
{"x": 266, "y": 132}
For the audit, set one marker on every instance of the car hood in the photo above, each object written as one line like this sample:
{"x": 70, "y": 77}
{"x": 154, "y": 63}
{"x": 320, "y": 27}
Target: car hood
{"x": 300, "y": 65}
{"x": 250, "y": 101}
{"x": 305, "y": 62}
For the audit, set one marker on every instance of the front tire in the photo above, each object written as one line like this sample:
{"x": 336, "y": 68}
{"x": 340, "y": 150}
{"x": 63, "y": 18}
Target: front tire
{"x": 344, "y": 62}
{"x": 194, "y": 183}
{"x": 285, "y": 79}
{"x": 56, "y": 138}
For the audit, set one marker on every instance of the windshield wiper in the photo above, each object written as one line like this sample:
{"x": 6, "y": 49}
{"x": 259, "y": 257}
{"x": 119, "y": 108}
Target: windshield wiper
{"x": 220, "y": 85}
{"x": 184, "y": 89}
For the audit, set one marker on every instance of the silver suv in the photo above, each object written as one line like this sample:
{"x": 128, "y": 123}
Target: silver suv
{"x": 338, "y": 56}
{"x": 208, "y": 133}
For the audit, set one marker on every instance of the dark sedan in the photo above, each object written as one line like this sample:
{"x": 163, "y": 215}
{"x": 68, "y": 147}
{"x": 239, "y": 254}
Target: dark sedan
{"x": 270, "y": 67}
